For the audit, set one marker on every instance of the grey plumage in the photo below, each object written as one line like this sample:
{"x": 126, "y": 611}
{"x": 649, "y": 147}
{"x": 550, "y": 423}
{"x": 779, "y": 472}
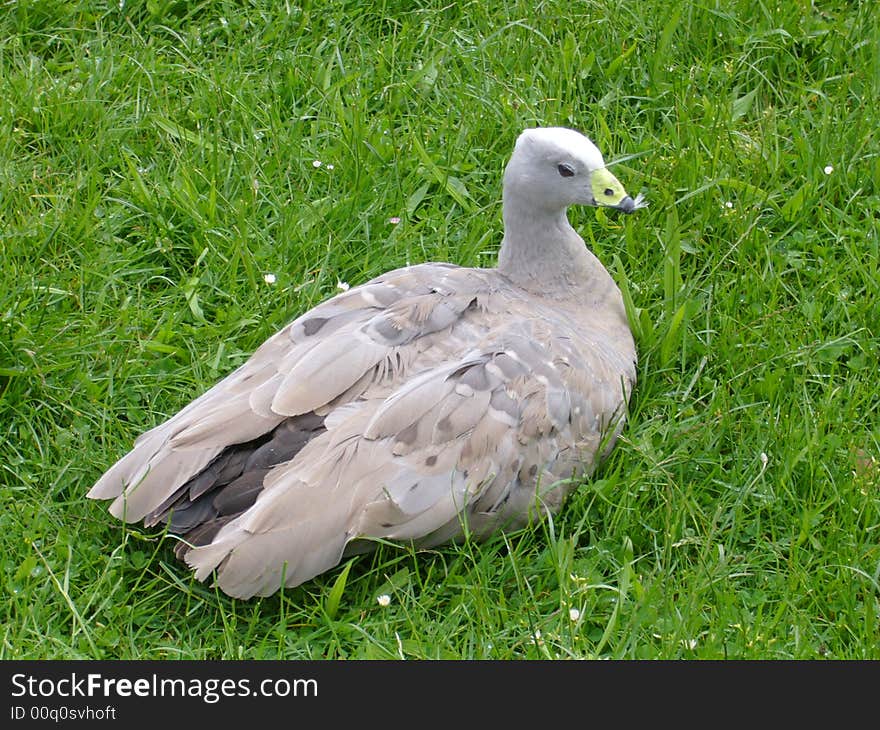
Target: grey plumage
{"x": 430, "y": 397}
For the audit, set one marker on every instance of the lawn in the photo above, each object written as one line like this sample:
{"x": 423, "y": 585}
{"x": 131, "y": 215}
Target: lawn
{"x": 179, "y": 180}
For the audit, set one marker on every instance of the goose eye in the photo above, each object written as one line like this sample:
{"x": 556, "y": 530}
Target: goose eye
{"x": 565, "y": 170}
{"x": 609, "y": 192}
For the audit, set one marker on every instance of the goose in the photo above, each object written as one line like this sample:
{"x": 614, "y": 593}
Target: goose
{"x": 431, "y": 403}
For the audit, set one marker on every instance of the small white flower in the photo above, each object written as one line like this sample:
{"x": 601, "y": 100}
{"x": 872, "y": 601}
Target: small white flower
{"x": 269, "y": 278}
{"x": 394, "y": 220}
{"x": 728, "y": 204}
{"x": 384, "y": 600}
{"x": 316, "y": 163}
{"x": 828, "y": 169}
{"x": 574, "y": 614}
{"x": 342, "y": 285}
{"x": 764, "y": 460}
{"x": 329, "y": 167}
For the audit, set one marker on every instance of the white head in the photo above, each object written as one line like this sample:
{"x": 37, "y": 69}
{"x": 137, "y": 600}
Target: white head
{"x": 553, "y": 167}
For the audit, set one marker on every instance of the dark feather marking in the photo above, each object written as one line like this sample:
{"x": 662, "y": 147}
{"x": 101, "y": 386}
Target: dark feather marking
{"x": 240, "y": 494}
{"x": 231, "y": 483}
{"x": 188, "y": 515}
{"x": 201, "y": 535}
{"x": 500, "y": 401}
{"x": 313, "y": 325}
{"x": 391, "y": 332}
{"x": 234, "y": 465}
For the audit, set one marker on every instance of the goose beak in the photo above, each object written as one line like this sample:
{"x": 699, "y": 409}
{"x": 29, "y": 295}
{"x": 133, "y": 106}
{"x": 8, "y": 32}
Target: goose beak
{"x": 627, "y": 205}
{"x": 609, "y": 193}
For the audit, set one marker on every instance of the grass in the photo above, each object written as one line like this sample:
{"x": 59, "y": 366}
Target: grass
{"x": 158, "y": 159}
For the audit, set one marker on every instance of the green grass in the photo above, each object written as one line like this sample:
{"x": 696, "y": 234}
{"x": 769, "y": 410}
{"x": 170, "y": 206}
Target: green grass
{"x": 156, "y": 161}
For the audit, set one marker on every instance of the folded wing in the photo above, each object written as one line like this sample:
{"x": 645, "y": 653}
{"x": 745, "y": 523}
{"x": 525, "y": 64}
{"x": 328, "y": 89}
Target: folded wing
{"x": 414, "y": 407}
